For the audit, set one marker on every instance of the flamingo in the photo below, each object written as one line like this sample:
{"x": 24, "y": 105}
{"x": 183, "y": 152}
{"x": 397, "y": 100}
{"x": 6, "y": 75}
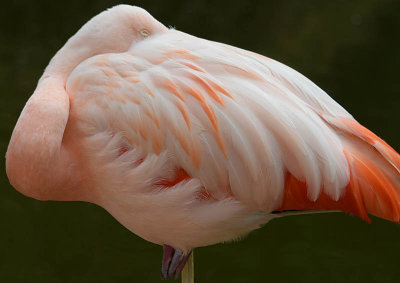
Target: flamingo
{"x": 189, "y": 142}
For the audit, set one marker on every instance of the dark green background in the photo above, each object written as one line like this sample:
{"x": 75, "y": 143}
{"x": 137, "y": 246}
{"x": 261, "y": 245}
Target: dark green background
{"x": 349, "y": 48}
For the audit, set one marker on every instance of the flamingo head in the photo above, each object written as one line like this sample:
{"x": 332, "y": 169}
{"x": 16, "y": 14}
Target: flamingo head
{"x": 112, "y": 31}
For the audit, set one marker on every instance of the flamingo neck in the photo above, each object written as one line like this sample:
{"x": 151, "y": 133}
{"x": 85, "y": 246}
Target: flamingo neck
{"x": 37, "y": 163}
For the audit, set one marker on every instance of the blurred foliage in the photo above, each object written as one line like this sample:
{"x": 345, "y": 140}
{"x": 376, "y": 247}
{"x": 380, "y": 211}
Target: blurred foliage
{"x": 349, "y": 48}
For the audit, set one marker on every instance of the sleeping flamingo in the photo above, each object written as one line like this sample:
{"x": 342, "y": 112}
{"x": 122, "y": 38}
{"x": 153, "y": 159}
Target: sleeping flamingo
{"x": 189, "y": 142}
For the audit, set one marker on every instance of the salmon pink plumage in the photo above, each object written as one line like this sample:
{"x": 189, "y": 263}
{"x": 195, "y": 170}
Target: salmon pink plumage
{"x": 189, "y": 142}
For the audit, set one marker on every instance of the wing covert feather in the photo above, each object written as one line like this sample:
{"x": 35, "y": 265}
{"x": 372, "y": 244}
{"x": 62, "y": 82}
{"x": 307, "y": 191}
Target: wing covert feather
{"x": 235, "y": 120}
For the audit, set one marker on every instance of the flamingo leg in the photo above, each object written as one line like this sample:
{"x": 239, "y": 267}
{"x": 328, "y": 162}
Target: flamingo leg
{"x": 188, "y": 271}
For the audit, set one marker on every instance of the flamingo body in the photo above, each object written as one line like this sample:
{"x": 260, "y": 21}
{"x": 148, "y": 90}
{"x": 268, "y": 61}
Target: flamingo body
{"x": 189, "y": 142}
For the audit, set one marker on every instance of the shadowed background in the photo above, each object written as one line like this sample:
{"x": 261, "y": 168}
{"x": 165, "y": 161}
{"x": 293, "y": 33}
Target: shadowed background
{"x": 348, "y": 48}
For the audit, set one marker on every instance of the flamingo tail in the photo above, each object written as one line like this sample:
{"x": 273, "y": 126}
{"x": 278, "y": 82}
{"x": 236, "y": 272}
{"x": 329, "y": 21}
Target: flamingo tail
{"x": 374, "y": 186}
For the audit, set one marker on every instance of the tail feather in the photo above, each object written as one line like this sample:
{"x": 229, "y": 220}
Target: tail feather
{"x": 352, "y": 127}
{"x": 377, "y": 192}
{"x": 374, "y": 186}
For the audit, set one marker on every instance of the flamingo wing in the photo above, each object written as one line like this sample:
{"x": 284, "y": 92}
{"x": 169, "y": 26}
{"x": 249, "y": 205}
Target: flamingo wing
{"x": 244, "y": 125}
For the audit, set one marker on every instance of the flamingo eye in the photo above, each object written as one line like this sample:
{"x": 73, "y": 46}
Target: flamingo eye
{"x": 145, "y": 32}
